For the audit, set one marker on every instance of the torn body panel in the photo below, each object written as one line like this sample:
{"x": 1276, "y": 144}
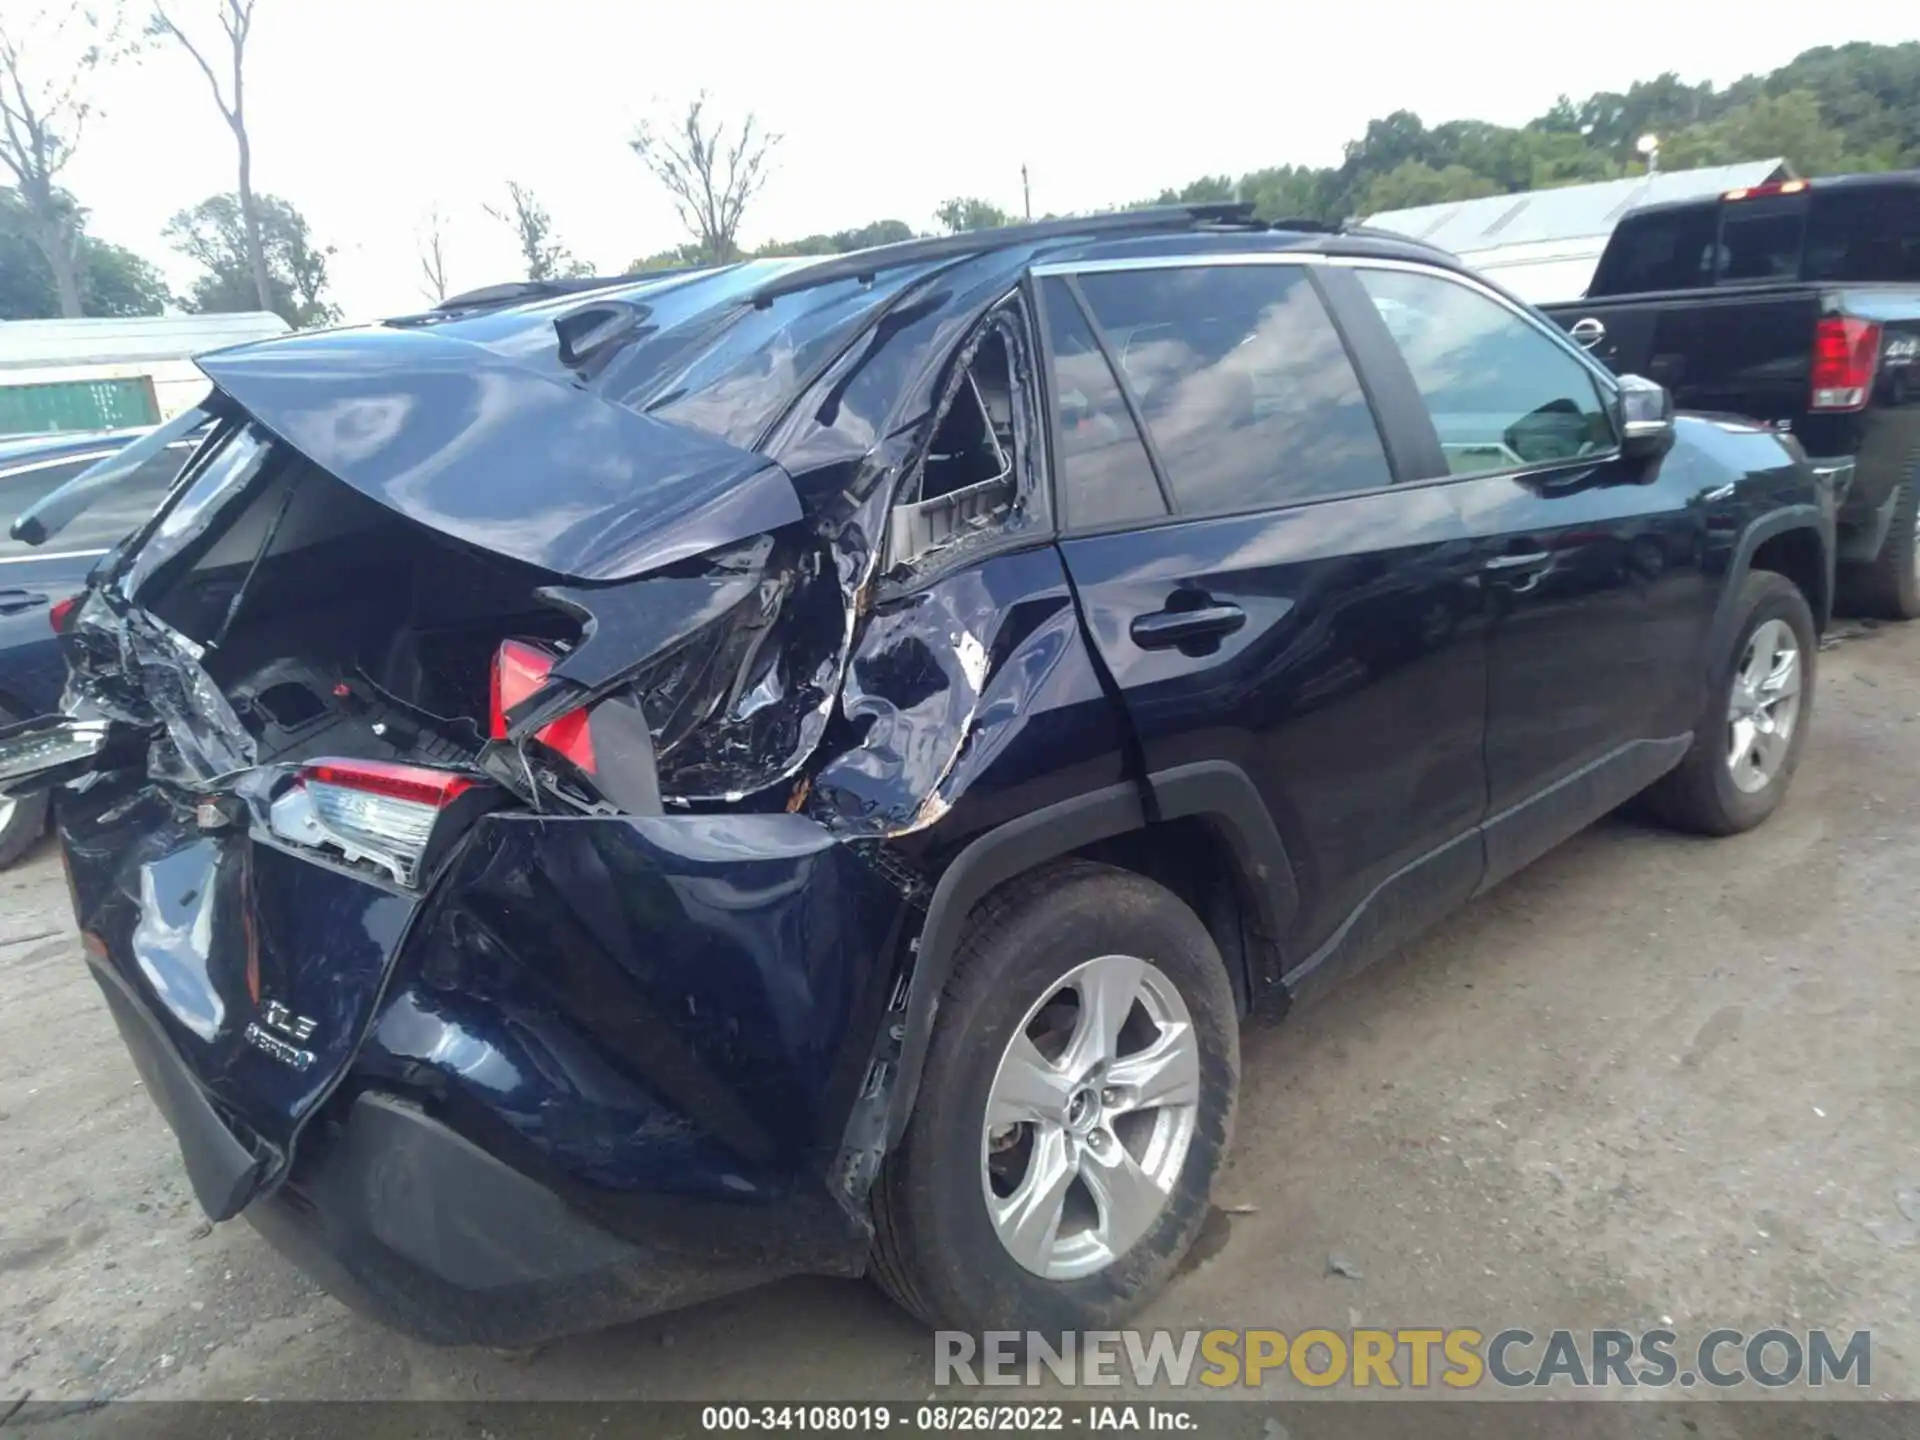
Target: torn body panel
{"x": 663, "y": 997}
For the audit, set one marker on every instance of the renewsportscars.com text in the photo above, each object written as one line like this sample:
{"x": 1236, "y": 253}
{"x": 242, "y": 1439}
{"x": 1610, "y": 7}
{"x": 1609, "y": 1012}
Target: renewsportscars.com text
{"x": 1416, "y": 1359}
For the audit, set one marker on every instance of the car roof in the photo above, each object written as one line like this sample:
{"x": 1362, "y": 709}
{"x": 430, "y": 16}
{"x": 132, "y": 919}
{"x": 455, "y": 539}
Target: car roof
{"x": 727, "y": 349}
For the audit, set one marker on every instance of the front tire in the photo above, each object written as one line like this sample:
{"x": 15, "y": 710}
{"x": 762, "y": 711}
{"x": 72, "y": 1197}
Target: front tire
{"x": 1747, "y": 741}
{"x": 1077, "y": 1101}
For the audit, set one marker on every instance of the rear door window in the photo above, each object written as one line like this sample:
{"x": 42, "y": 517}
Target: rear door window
{"x": 1102, "y": 474}
{"x": 1869, "y": 233}
{"x": 1243, "y": 382}
{"x": 1502, "y": 393}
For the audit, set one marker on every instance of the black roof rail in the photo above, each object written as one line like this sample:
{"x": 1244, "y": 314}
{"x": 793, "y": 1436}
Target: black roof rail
{"x": 865, "y": 264}
{"x": 512, "y": 292}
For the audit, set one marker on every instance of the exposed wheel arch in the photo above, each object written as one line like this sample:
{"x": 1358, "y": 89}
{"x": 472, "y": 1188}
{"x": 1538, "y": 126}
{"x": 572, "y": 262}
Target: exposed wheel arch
{"x": 1215, "y": 794}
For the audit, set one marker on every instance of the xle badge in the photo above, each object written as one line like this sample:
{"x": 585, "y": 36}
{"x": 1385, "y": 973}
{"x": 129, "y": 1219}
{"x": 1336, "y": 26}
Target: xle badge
{"x": 279, "y": 1018}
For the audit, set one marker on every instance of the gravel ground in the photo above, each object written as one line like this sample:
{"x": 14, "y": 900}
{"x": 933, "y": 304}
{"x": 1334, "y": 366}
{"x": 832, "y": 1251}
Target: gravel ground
{"x": 1650, "y": 1077}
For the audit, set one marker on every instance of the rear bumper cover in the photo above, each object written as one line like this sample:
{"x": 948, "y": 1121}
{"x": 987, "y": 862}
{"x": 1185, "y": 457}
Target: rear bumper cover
{"x": 402, "y": 1219}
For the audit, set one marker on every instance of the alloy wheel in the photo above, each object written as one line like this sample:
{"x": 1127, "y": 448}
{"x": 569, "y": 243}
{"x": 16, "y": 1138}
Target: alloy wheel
{"x": 1090, "y": 1116}
{"x": 1764, "y": 706}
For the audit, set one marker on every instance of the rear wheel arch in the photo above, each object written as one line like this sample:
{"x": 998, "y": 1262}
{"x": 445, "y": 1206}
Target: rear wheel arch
{"x": 1212, "y": 802}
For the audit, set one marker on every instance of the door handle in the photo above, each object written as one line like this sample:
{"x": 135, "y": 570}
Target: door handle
{"x": 12, "y": 602}
{"x": 1164, "y": 629}
{"x": 1532, "y": 560}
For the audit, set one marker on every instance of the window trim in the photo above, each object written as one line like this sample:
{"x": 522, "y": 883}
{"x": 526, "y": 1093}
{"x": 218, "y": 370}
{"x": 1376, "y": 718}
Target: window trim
{"x": 1068, "y": 271}
{"x": 1063, "y": 525}
{"x": 1605, "y": 384}
{"x": 1168, "y": 499}
{"x": 1539, "y": 322}
{"x": 1607, "y": 394}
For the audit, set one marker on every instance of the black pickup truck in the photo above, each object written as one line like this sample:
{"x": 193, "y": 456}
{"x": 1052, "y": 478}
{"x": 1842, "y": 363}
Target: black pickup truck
{"x": 1796, "y": 304}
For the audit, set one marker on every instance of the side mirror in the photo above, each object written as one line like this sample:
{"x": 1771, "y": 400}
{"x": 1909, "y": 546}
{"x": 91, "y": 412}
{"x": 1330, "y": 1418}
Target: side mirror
{"x": 1643, "y": 409}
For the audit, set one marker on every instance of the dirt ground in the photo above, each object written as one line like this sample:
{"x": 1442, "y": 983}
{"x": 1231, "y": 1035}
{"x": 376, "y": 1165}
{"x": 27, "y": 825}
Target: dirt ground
{"x": 1650, "y": 1077}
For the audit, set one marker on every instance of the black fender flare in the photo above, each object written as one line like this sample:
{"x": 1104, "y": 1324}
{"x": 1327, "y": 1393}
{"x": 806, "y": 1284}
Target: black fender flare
{"x": 1774, "y": 522}
{"x": 1216, "y": 789}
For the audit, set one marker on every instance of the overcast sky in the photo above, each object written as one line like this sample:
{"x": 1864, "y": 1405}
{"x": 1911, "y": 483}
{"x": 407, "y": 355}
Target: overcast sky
{"x": 367, "y": 113}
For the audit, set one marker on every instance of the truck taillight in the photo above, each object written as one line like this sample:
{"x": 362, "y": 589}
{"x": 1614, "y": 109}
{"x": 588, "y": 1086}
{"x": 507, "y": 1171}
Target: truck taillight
{"x": 520, "y": 669}
{"x": 371, "y": 810}
{"x": 1845, "y": 353}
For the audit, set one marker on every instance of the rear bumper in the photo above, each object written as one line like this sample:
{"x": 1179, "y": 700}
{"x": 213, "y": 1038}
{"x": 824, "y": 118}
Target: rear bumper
{"x": 412, "y": 1225}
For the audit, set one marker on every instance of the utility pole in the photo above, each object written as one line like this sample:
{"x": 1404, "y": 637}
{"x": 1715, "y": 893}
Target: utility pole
{"x": 1026, "y": 192}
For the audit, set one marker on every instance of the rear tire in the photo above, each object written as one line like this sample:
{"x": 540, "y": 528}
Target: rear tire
{"x": 1722, "y": 787}
{"x": 938, "y": 1248}
{"x": 22, "y": 820}
{"x": 1887, "y": 587}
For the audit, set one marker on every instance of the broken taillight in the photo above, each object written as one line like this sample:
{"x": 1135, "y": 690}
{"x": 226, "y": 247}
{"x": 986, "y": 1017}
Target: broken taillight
{"x": 1846, "y": 352}
{"x": 61, "y": 612}
{"x": 370, "y": 810}
{"x": 520, "y": 669}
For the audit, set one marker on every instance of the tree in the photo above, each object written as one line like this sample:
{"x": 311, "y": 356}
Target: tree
{"x": 839, "y": 242}
{"x": 236, "y": 22}
{"x": 433, "y": 257}
{"x": 1207, "y": 190}
{"x": 213, "y": 235}
{"x": 967, "y": 212}
{"x": 710, "y": 180}
{"x": 47, "y": 66}
{"x": 113, "y": 281}
{"x": 1786, "y": 125}
{"x": 545, "y": 257}
{"x": 1415, "y": 183}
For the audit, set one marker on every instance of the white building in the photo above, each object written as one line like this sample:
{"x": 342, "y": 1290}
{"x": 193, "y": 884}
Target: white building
{"x": 1543, "y": 245}
{"x": 102, "y": 374}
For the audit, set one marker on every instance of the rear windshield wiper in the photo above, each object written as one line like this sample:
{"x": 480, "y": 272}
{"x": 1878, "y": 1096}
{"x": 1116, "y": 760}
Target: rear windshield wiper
{"x": 55, "y": 510}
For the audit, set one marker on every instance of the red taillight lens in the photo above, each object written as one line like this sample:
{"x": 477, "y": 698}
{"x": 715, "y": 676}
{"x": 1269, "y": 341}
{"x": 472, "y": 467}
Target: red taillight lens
{"x": 1845, "y": 354}
{"x": 520, "y": 669}
{"x": 415, "y": 784}
{"x": 61, "y": 612}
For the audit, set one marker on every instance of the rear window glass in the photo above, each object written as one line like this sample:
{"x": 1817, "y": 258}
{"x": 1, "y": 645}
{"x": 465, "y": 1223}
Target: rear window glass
{"x": 1666, "y": 250}
{"x": 1871, "y": 234}
{"x": 1760, "y": 239}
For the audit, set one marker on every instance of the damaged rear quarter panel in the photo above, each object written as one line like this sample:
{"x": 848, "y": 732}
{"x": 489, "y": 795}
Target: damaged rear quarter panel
{"x": 972, "y": 692}
{"x": 657, "y": 1008}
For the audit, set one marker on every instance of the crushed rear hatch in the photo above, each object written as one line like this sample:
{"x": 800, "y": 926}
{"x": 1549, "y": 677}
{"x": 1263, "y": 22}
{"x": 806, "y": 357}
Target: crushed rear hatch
{"x": 295, "y": 692}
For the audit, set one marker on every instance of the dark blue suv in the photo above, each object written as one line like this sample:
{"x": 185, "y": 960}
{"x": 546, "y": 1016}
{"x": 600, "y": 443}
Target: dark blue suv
{"x": 586, "y": 799}
{"x": 34, "y": 582}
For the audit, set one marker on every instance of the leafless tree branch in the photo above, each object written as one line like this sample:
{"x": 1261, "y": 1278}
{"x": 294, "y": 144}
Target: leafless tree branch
{"x": 709, "y": 180}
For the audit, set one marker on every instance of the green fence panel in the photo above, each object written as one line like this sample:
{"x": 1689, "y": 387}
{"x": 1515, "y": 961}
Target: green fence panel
{"x": 77, "y": 405}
